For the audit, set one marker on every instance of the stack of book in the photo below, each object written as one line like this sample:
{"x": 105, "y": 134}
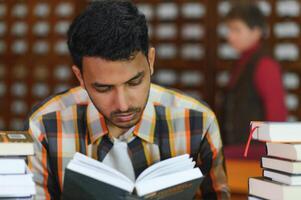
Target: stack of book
{"x": 282, "y": 163}
{"x": 16, "y": 180}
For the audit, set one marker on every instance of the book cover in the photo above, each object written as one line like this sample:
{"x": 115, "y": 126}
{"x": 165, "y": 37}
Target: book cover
{"x": 17, "y": 198}
{"x": 163, "y": 180}
{"x": 251, "y": 197}
{"x": 16, "y": 143}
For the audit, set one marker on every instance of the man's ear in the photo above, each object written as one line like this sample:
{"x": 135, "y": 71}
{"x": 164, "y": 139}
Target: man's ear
{"x": 78, "y": 75}
{"x": 151, "y": 58}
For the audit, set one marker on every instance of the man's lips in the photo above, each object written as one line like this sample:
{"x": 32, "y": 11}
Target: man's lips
{"x": 125, "y": 117}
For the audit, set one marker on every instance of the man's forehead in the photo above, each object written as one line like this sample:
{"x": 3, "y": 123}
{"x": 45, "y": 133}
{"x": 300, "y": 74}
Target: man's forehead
{"x": 119, "y": 81}
{"x": 138, "y": 58}
{"x": 105, "y": 72}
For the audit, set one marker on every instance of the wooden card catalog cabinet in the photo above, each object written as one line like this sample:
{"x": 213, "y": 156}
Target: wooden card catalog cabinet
{"x": 189, "y": 36}
{"x": 177, "y": 31}
{"x": 34, "y": 58}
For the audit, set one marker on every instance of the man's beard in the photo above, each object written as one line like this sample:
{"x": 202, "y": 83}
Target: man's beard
{"x": 138, "y": 111}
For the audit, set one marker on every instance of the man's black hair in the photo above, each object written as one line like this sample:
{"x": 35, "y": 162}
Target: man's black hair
{"x": 249, "y": 13}
{"x": 110, "y": 29}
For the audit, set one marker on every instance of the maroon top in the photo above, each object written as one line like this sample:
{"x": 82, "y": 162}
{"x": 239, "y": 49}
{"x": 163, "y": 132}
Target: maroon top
{"x": 268, "y": 82}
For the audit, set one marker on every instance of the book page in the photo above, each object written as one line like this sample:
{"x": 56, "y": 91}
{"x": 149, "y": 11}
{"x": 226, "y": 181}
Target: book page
{"x": 12, "y": 166}
{"x": 168, "y": 162}
{"x": 101, "y": 175}
{"x": 181, "y": 166}
{"x": 90, "y": 162}
{"x": 20, "y": 180}
{"x": 162, "y": 182}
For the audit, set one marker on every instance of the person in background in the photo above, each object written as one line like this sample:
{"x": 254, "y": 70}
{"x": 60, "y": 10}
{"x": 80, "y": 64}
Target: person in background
{"x": 116, "y": 115}
{"x": 255, "y": 90}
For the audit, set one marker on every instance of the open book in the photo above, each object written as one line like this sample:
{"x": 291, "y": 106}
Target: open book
{"x": 173, "y": 178}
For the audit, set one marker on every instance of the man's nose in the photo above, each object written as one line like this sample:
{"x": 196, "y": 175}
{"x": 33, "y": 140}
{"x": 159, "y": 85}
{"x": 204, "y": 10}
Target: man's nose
{"x": 122, "y": 100}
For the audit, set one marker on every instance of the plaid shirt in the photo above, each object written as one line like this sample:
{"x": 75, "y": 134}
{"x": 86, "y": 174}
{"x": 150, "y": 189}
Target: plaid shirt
{"x": 171, "y": 124}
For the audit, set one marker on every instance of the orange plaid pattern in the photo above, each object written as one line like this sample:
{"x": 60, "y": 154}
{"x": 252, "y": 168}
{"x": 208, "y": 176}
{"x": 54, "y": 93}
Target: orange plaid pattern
{"x": 171, "y": 124}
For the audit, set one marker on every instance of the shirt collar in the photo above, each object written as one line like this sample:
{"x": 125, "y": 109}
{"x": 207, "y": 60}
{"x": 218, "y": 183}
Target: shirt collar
{"x": 145, "y": 129}
{"x": 95, "y": 123}
{"x": 250, "y": 51}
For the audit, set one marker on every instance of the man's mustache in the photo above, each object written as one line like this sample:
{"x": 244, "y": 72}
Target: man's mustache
{"x": 130, "y": 110}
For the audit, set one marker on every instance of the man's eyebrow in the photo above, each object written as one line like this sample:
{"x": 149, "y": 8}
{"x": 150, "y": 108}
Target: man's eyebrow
{"x": 138, "y": 75}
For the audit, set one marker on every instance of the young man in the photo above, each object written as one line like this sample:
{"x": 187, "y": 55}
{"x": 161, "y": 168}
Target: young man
{"x": 255, "y": 90}
{"x": 116, "y": 115}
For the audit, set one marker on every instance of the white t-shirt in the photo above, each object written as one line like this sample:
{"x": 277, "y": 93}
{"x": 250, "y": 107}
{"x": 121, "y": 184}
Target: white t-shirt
{"x": 118, "y": 157}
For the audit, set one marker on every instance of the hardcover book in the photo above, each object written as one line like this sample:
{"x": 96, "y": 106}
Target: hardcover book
{"x": 17, "y": 186}
{"x": 283, "y": 165}
{"x": 170, "y": 179}
{"x": 12, "y": 166}
{"x": 268, "y": 189}
{"x": 16, "y": 143}
{"x": 277, "y": 131}
{"x": 282, "y": 177}
{"x": 284, "y": 150}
